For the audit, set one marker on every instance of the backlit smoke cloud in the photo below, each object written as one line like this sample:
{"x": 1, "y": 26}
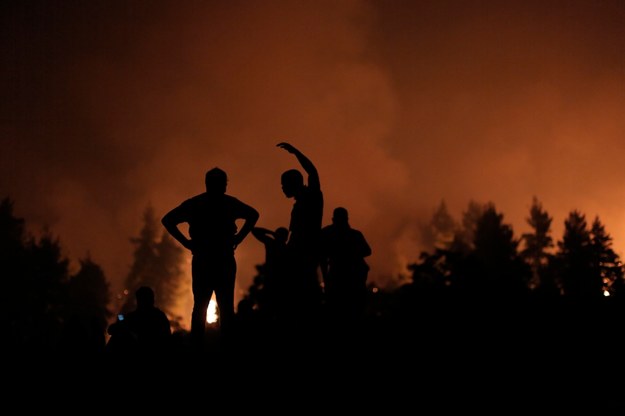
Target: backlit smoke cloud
{"x": 110, "y": 107}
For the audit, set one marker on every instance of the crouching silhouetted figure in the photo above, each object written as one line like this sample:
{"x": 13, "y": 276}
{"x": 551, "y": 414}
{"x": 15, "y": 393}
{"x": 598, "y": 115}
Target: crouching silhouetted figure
{"x": 146, "y": 330}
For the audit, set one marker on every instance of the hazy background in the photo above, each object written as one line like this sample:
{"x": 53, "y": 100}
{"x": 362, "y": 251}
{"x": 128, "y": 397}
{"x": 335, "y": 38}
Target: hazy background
{"x": 108, "y": 106}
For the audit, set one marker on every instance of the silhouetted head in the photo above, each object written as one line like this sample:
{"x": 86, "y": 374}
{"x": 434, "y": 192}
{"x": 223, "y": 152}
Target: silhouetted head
{"x": 216, "y": 181}
{"x": 292, "y": 182}
{"x": 340, "y": 217}
{"x": 145, "y": 297}
{"x": 281, "y": 234}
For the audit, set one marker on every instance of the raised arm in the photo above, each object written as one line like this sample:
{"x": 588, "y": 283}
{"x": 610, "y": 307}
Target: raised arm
{"x": 311, "y": 170}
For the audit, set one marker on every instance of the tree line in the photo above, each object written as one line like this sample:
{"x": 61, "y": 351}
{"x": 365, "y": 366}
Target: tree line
{"x": 44, "y": 304}
{"x": 479, "y": 263}
{"x": 480, "y": 254}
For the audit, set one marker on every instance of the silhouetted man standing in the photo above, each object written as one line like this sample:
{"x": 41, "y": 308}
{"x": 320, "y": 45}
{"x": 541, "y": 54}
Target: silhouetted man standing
{"x": 344, "y": 267}
{"x": 213, "y": 237}
{"x": 304, "y": 234}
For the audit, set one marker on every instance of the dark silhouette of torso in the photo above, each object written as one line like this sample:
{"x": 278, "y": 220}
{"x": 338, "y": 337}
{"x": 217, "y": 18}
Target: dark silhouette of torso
{"x": 151, "y": 327}
{"x": 306, "y": 219}
{"x": 212, "y": 225}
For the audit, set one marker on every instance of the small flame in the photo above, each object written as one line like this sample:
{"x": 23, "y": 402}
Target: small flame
{"x": 211, "y": 313}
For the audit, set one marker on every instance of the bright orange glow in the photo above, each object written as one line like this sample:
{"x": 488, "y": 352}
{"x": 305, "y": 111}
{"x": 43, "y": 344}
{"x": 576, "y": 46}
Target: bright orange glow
{"x": 542, "y": 117}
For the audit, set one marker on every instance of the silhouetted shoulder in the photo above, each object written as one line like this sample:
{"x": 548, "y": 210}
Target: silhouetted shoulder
{"x": 197, "y": 199}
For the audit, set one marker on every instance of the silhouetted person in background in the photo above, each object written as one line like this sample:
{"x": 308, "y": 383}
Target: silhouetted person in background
{"x": 305, "y": 231}
{"x": 144, "y": 330}
{"x": 275, "y": 273}
{"x": 213, "y": 238}
{"x": 344, "y": 268}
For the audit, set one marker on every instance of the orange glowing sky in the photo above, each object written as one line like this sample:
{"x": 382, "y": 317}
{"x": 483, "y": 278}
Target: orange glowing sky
{"x": 109, "y": 106}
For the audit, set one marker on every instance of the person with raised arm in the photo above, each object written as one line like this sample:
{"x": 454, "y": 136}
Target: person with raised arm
{"x": 304, "y": 235}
